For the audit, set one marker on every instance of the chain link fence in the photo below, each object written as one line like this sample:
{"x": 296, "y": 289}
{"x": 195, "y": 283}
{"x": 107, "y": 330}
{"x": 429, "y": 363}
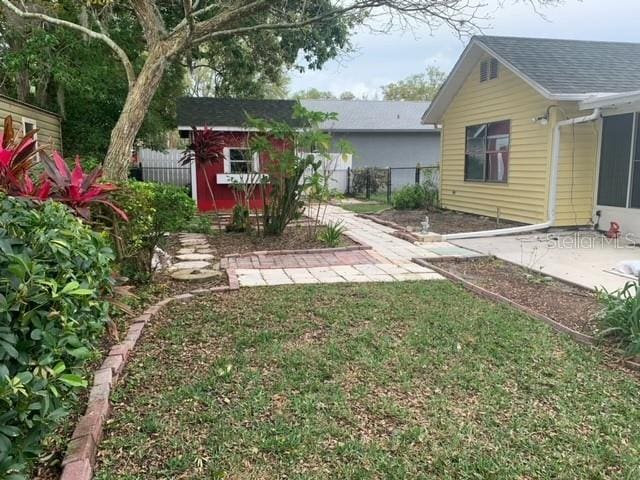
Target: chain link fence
{"x": 375, "y": 183}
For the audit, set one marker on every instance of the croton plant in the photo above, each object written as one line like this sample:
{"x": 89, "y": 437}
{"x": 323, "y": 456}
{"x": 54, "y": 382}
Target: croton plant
{"x": 75, "y": 188}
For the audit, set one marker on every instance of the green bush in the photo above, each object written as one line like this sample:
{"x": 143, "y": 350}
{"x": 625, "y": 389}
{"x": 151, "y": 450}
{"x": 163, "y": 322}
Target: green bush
{"x": 54, "y": 271}
{"x": 153, "y": 209}
{"x": 409, "y": 197}
{"x": 620, "y": 316}
{"x": 331, "y": 235}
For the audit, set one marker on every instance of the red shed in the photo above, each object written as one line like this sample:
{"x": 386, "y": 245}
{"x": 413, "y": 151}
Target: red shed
{"x": 228, "y": 116}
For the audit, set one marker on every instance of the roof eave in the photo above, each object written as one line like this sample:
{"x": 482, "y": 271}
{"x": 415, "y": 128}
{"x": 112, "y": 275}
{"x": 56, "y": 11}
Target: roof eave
{"x": 458, "y": 75}
{"x": 610, "y": 100}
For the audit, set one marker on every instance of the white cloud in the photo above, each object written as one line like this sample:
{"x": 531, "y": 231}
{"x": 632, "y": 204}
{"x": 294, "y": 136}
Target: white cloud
{"x": 381, "y": 59}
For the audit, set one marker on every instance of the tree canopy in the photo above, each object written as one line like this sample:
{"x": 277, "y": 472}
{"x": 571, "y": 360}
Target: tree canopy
{"x": 418, "y": 87}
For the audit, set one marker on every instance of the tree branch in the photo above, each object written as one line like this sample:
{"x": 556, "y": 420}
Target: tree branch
{"x": 128, "y": 67}
{"x": 150, "y": 19}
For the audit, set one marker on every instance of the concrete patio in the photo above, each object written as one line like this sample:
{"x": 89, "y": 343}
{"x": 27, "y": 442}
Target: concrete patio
{"x": 585, "y": 258}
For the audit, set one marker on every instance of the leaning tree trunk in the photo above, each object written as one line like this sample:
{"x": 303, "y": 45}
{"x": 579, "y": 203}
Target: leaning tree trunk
{"x": 123, "y": 135}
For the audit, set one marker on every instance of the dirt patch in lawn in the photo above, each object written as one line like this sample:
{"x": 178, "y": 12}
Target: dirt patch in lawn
{"x": 570, "y": 305}
{"x": 443, "y": 221}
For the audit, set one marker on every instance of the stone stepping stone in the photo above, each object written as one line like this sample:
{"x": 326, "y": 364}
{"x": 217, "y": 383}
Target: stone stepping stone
{"x": 195, "y": 274}
{"x": 194, "y": 256}
{"x": 204, "y": 250}
{"x": 194, "y": 243}
{"x": 191, "y": 265}
{"x": 186, "y": 251}
{"x": 191, "y": 236}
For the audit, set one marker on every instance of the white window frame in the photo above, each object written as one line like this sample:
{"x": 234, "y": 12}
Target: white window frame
{"x": 26, "y": 120}
{"x": 227, "y": 159}
{"x": 227, "y": 177}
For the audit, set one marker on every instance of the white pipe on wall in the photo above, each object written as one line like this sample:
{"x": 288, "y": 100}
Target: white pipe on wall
{"x": 553, "y": 187}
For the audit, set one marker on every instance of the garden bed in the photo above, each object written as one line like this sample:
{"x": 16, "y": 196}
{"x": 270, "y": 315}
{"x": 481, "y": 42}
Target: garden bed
{"x": 293, "y": 238}
{"x": 570, "y": 305}
{"x": 443, "y": 221}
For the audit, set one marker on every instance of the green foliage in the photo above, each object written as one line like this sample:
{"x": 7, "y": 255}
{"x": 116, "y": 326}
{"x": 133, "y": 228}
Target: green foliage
{"x": 240, "y": 219}
{"x": 419, "y": 87}
{"x": 199, "y": 224}
{"x": 620, "y": 316}
{"x": 153, "y": 209}
{"x": 285, "y": 146}
{"x": 53, "y": 273}
{"x": 330, "y": 235}
{"x": 409, "y": 197}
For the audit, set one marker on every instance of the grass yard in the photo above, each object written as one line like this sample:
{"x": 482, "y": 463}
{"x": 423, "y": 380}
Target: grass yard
{"x": 397, "y": 380}
{"x": 373, "y": 207}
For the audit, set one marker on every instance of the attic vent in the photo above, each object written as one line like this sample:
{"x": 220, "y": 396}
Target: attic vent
{"x": 493, "y": 69}
{"x": 484, "y": 71}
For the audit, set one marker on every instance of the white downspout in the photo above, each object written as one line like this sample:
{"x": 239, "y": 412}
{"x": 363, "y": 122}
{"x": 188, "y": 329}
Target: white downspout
{"x": 553, "y": 187}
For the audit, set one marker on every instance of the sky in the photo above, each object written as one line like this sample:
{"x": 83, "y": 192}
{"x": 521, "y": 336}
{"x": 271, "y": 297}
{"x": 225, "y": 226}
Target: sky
{"x": 379, "y": 59}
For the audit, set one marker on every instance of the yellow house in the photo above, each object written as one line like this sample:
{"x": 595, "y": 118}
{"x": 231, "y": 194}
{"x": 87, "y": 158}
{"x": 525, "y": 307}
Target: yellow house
{"x": 27, "y": 117}
{"x": 542, "y": 131}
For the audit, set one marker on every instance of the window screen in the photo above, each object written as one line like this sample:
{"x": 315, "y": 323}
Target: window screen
{"x": 487, "y": 152}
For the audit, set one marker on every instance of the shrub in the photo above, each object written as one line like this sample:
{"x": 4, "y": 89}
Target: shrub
{"x": 331, "y": 234}
{"x": 409, "y": 197}
{"x": 153, "y": 209}
{"x": 240, "y": 219}
{"x": 54, "y": 271}
{"x": 620, "y": 316}
{"x": 376, "y": 177}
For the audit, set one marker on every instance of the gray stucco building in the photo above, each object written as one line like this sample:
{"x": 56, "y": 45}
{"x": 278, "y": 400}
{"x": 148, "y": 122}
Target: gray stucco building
{"x": 383, "y": 133}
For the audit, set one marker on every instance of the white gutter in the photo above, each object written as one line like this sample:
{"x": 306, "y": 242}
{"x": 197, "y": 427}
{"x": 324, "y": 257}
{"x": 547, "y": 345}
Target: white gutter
{"x": 553, "y": 187}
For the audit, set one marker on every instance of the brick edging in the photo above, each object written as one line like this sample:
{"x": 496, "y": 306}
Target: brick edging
{"x": 268, "y": 253}
{"x": 557, "y": 326}
{"x": 80, "y": 457}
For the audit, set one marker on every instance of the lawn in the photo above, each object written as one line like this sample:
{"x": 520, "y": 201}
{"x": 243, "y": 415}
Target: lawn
{"x": 397, "y": 380}
{"x": 372, "y": 207}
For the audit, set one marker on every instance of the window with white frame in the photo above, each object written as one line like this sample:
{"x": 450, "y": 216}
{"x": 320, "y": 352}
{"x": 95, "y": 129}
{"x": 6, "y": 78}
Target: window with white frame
{"x": 240, "y": 160}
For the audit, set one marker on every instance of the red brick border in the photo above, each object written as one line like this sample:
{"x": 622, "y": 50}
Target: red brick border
{"x": 351, "y": 248}
{"x": 559, "y": 327}
{"x": 79, "y": 460}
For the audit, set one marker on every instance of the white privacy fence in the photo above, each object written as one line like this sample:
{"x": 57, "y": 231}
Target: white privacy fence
{"x": 164, "y": 167}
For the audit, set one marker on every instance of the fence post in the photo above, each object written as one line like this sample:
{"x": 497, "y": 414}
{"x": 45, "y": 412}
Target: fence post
{"x": 368, "y": 186}
{"x": 348, "y": 192}
{"x": 418, "y": 174}
{"x": 389, "y": 185}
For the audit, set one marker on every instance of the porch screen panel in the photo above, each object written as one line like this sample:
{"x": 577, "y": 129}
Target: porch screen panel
{"x": 635, "y": 169}
{"x": 614, "y": 160}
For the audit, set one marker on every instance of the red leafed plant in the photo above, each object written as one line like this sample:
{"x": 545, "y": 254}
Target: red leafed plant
{"x": 76, "y": 188}
{"x": 16, "y": 157}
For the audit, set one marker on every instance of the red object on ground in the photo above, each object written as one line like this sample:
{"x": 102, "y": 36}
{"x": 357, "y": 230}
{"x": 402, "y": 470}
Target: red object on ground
{"x": 614, "y": 230}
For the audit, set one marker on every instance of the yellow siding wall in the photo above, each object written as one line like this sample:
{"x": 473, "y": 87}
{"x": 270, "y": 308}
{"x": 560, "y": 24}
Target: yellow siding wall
{"x": 48, "y": 124}
{"x": 576, "y": 169}
{"x": 524, "y": 197}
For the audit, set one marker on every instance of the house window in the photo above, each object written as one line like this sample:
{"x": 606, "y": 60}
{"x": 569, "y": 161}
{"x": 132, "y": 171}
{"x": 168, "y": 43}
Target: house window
{"x": 487, "y": 152}
{"x": 240, "y": 160}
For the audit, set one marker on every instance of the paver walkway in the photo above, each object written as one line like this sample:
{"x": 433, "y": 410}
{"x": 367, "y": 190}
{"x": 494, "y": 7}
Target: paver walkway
{"x": 389, "y": 258}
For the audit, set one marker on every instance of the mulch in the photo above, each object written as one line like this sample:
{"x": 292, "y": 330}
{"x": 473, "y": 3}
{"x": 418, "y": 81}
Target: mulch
{"x": 443, "y": 221}
{"x": 570, "y": 305}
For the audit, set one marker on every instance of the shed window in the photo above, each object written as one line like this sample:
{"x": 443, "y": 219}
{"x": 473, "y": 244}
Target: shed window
{"x": 240, "y": 160}
{"x": 28, "y": 125}
{"x": 487, "y": 152}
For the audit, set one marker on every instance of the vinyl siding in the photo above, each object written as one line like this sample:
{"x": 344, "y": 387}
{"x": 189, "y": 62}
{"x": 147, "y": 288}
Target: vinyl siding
{"x": 576, "y": 169}
{"x": 48, "y": 124}
{"x": 523, "y": 198}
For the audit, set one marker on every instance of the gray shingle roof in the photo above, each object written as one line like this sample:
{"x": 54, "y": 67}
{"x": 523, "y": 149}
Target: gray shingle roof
{"x": 371, "y": 115}
{"x": 571, "y": 66}
{"x": 230, "y": 112}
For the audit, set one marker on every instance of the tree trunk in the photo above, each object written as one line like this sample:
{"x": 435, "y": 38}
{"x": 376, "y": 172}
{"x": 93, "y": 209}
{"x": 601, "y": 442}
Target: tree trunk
{"x": 123, "y": 135}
